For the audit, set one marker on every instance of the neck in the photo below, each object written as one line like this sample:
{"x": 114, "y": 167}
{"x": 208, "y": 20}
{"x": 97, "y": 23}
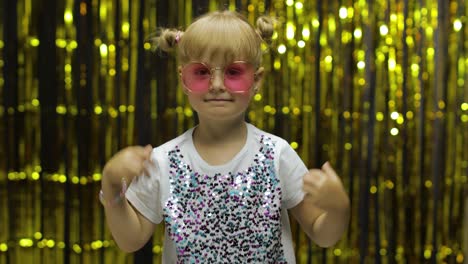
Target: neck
{"x": 219, "y": 132}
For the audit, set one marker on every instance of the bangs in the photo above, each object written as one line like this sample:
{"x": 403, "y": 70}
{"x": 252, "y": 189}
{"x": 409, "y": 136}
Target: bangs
{"x": 220, "y": 34}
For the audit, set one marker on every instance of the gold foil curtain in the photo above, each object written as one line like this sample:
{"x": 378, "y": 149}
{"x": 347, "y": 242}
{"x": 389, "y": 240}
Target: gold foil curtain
{"x": 379, "y": 88}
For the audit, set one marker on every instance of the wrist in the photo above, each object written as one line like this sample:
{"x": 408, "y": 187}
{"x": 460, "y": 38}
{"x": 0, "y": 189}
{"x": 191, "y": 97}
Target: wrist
{"x": 113, "y": 195}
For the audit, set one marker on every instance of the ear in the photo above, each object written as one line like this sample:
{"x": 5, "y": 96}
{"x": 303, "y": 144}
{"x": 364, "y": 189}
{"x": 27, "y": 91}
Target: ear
{"x": 258, "y": 79}
{"x": 179, "y": 69}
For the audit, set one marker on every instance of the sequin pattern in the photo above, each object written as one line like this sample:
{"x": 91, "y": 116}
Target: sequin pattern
{"x": 232, "y": 218}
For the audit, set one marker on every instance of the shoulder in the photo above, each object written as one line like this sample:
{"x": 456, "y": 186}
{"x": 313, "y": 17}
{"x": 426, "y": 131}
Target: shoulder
{"x": 278, "y": 142}
{"x": 162, "y": 150}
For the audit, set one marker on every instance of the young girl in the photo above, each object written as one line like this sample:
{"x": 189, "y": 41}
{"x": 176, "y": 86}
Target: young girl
{"x": 224, "y": 187}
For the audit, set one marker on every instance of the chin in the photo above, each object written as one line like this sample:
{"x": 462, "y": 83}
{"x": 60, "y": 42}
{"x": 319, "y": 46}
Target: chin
{"x": 221, "y": 115}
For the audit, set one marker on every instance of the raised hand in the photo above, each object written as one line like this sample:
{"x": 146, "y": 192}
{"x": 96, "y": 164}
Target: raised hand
{"x": 126, "y": 164}
{"x": 325, "y": 189}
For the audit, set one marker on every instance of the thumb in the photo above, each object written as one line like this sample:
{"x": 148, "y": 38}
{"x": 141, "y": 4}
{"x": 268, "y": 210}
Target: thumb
{"x": 148, "y": 149}
{"x": 328, "y": 169}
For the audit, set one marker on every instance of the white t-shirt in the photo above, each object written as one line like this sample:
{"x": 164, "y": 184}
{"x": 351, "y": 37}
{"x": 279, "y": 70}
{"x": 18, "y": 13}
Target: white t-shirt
{"x": 235, "y": 212}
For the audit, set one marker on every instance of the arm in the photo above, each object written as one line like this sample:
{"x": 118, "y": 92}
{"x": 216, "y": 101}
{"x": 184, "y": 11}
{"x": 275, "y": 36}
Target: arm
{"x": 324, "y": 212}
{"x": 129, "y": 228}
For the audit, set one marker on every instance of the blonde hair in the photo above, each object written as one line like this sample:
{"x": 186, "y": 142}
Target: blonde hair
{"x": 219, "y": 32}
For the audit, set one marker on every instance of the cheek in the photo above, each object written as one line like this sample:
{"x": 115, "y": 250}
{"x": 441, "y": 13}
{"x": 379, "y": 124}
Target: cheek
{"x": 194, "y": 101}
{"x": 244, "y": 99}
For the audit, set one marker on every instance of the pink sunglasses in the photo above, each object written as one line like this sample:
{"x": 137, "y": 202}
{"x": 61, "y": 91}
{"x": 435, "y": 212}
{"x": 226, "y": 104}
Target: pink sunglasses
{"x": 238, "y": 76}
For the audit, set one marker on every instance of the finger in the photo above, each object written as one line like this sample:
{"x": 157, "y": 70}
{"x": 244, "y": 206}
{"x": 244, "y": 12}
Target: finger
{"x": 148, "y": 150}
{"x": 135, "y": 167}
{"x": 315, "y": 177}
{"x": 143, "y": 153}
{"x": 312, "y": 182}
{"x": 309, "y": 189}
{"x": 328, "y": 169}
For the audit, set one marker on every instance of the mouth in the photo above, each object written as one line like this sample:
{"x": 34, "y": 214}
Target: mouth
{"x": 218, "y": 100}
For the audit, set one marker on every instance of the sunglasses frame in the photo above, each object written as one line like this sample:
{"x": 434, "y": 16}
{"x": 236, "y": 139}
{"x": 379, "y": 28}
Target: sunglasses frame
{"x": 212, "y": 70}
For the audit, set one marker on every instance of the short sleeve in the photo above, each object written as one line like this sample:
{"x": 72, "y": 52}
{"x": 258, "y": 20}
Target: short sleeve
{"x": 291, "y": 170}
{"x": 144, "y": 192}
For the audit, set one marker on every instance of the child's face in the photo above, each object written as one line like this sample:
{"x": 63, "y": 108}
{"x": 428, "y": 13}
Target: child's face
{"x": 220, "y": 89}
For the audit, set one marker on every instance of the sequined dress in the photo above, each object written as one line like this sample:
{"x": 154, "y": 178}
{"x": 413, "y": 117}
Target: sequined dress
{"x": 224, "y": 214}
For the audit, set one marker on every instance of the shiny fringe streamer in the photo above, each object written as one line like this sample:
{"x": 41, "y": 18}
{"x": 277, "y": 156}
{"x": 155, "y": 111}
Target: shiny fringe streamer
{"x": 379, "y": 88}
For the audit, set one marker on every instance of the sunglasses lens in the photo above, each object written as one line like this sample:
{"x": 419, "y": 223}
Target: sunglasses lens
{"x": 196, "y": 77}
{"x": 239, "y": 77}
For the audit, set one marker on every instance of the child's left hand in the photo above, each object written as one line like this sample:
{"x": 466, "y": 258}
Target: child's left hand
{"x": 325, "y": 189}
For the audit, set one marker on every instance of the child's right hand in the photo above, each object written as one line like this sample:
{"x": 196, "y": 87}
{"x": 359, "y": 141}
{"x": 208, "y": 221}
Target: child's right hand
{"x": 127, "y": 163}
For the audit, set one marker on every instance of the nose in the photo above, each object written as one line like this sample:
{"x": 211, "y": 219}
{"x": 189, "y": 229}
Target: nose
{"x": 217, "y": 80}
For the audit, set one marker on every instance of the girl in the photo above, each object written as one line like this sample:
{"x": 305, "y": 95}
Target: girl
{"x": 224, "y": 187}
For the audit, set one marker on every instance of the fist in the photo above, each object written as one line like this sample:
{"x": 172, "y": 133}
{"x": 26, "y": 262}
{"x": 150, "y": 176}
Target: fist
{"x": 127, "y": 163}
{"x": 325, "y": 189}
